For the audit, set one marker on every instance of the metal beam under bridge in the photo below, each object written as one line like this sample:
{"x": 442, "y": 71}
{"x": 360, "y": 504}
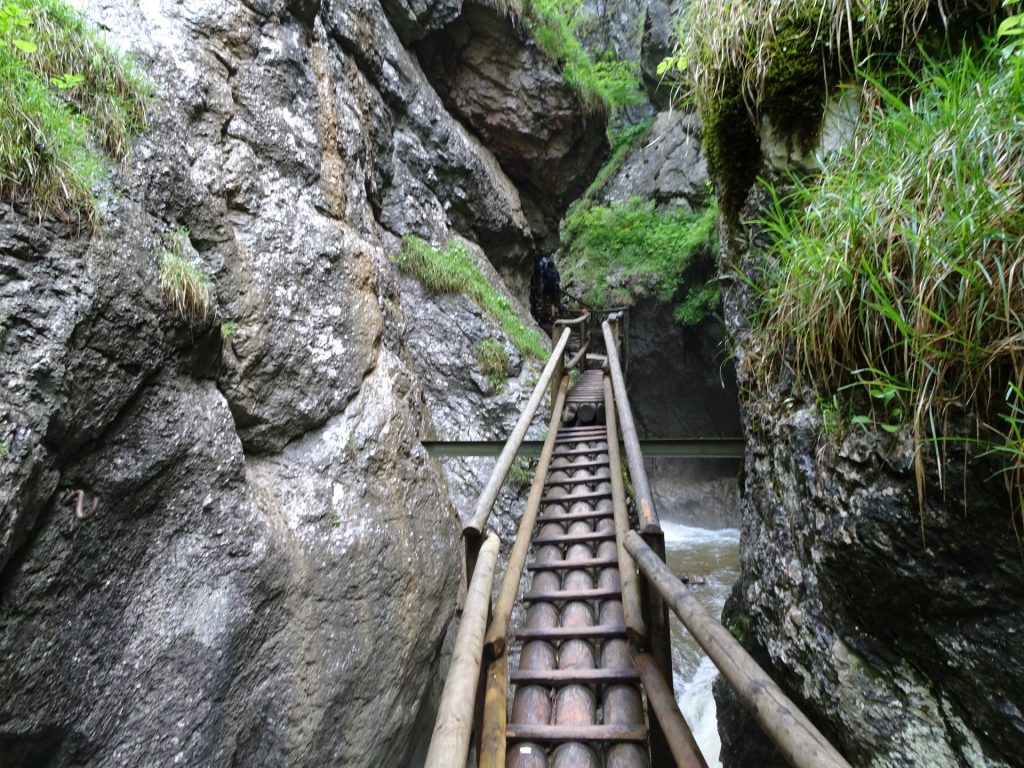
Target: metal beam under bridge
{"x": 689, "y": 448}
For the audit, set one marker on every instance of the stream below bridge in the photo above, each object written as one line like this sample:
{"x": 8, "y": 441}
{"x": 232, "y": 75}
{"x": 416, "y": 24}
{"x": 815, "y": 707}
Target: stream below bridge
{"x": 710, "y": 558}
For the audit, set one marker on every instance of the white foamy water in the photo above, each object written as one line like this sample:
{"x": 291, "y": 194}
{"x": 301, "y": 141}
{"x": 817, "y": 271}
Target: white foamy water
{"x": 710, "y": 558}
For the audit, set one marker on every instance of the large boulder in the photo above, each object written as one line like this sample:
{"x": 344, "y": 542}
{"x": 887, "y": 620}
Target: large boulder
{"x": 272, "y": 565}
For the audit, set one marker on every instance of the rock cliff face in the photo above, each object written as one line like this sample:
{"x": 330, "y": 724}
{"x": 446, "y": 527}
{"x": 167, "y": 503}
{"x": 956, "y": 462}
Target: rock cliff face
{"x": 272, "y": 566}
{"x": 897, "y": 634}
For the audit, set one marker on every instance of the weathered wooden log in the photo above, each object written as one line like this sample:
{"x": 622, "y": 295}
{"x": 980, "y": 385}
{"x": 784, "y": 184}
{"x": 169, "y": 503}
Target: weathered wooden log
{"x": 799, "y": 742}
{"x": 496, "y": 633}
{"x": 663, "y": 701}
{"x": 485, "y": 502}
{"x": 449, "y": 744}
{"x": 492, "y": 737}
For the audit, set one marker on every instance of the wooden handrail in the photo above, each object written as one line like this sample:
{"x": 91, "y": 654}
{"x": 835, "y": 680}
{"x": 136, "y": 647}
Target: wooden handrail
{"x": 634, "y": 458}
{"x": 799, "y": 742}
{"x": 517, "y": 558}
{"x": 449, "y": 744}
{"x": 475, "y": 527}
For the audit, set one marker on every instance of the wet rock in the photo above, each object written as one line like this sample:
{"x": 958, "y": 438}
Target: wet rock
{"x": 905, "y": 649}
{"x": 517, "y": 102}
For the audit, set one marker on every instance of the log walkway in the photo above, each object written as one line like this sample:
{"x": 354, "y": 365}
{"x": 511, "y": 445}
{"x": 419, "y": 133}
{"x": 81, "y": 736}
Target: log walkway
{"x": 582, "y": 677}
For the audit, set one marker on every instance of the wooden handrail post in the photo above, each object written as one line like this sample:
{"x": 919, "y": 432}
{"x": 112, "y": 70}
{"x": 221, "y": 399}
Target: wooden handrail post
{"x": 449, "y": 744}
{"x": 560, "y": 365}
{"x": 520, "y": 549}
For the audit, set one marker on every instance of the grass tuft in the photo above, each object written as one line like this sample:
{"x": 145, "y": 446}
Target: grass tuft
{"x": 603, "y": 86}
{"x": 493, "y": 361}
{"x": 184, "y": 282}
{"x": 62, "y": 90}
{"x": 898, "y": 272}
{"x": 452, "y": 270}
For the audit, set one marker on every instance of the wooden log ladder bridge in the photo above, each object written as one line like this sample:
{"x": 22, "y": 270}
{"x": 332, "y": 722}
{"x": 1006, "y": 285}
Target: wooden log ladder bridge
{"x": 588, "y": 662}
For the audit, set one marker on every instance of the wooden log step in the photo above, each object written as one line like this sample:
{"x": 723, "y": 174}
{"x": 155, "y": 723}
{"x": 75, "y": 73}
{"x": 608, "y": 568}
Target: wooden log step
{"x": 571, "y": 595}
{"x": 579, "y": 465}
{"x": 573, "y": 565}
{"x": 573, "y": 498}
{"x": 575, "y": 538}
{"x": 569, "y": 517}
{"x": 576, "y": 480}
{"x": 598, "y": 632}
{"x": 549, "y": 734}
{"x": 569, "y": 431}
{"x": 558, "y": 677}
{"x": 579, "y": 451}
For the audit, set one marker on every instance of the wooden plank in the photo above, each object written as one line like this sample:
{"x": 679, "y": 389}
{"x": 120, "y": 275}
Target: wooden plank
{"x": 557, "y": 677}
{"x": 560, "y": 733}
{"x": 580, "y": 451}
{"x": 579, "y": 465}
{"x": 598, "y": 593}
{"x": 569, "y": 517}
{"x": 574, "y": 497}
{"x": 572, "y": 565}
{"x": 575, "y": 538}
{"x": 591, "y": 480}
{"x": 573, "y": 633}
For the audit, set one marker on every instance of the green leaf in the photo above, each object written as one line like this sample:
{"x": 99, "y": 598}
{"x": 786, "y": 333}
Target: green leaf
{"x": 26, "y": 46}
{"x": 1011, "y": 26}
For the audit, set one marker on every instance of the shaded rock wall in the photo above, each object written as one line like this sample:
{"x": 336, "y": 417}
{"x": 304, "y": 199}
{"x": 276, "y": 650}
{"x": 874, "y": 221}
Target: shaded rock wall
{"x": 895, "y": 633}
{"x": 273, "y": 564}
{"x": 515, "y": 99}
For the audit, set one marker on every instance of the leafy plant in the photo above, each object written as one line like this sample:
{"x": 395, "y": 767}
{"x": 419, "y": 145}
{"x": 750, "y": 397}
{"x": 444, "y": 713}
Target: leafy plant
{"x": 493, "y": 361}
{"x": 626, "y": 250}
{"x": 183, "y": 281}
{"x": 452, "y": 270}
{"x": 61, "y": 89}
{"x": 228, "y": 329}
{"x": 520, "y": 474}
{"x": 897, "y": 273}
{"x": 604, "y": 86}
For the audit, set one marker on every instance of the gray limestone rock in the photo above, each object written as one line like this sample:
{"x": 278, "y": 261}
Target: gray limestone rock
{"x": 667, "y": 166}
{"x": 273, "y": 563}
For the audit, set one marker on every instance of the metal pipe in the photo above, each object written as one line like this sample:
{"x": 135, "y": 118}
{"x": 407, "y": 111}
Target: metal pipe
{"x": 637, "y": 473}
{"x": 627, "y": 568}
{"x": 678, "y": 734}
{"x": 801, "y": 744}
{"x": 478, "y": 522}
{"x": 521, "y": 548}
{"x": 449, "y": 744}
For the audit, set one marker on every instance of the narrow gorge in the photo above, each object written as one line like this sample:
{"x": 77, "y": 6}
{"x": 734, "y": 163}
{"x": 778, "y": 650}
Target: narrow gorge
{"x": 223, "y": 541}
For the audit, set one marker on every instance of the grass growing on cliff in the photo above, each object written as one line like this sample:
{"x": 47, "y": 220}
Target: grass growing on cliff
{"x": 493, "y": 361}
{"x": 62, "y": 92}
{"x": 452, "y": 270}
{"x": 899, "y": 271}
{"x": 604, "y": 85}
{"x": 183, "y": 281}
{"x": 626, "y": 250}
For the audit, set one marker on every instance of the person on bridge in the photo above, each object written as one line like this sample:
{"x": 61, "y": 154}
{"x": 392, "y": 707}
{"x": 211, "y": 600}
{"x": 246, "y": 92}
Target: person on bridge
{"x": 546, "y": 291}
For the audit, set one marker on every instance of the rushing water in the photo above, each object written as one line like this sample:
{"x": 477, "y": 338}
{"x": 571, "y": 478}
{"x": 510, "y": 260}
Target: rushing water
{"x": 710, "y": 558}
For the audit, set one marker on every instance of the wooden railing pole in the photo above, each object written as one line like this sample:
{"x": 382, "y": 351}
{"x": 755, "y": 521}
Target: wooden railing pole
{"x": 663, "y": 701}
{"x": 628, "y": 580}
{"x": 799, "y": 742}
{"x": 453, "y": 727}
{"x": 556, "y": 378}
{"x": 478, "y": 522}
{"x": 521, "y": 547}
